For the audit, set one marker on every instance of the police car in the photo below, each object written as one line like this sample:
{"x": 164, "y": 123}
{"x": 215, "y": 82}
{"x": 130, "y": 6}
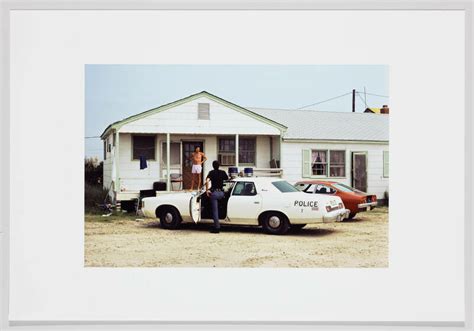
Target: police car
{"x": 272, "y": 203}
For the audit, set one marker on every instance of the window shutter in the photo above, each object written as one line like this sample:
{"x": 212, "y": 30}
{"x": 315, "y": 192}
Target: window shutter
{"x": 385, "y": 163}
{"x": 203, "y": 111}
{"x": 306, "y": 163}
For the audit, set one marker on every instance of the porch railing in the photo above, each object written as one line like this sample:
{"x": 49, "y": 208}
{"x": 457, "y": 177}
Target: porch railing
{"x": 268, "y": 172}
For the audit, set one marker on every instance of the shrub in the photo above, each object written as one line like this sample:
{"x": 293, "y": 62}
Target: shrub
{"x": 94, "y": 195}
{"x": 93, "y": 171}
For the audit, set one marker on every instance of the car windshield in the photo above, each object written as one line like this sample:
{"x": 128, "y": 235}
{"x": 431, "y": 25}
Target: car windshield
{"x": 284, "y": 187}
{"x": 345, "y": 188}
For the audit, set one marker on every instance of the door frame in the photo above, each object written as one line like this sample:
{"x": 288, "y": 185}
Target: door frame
{"x": 365, "y": 153}
{"x": 191, "y": 140}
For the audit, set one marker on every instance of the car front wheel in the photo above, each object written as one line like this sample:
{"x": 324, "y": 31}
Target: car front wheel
{"x": 275, "y": 223}
{"x": 169, "y": 218}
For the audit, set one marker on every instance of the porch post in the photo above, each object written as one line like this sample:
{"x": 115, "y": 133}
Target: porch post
{"x": 168, "y": 166}
{"x": 237, "y": 151}
{"x": 280, "y": 156}
{"x": 117, "y": 161}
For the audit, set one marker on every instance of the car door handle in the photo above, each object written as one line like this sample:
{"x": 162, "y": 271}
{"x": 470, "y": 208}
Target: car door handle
{"x": 256, "y": 202}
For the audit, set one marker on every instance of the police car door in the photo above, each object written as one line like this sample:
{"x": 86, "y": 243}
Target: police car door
{"x": 195, "y": 207}
{"x": 244, "y": 204}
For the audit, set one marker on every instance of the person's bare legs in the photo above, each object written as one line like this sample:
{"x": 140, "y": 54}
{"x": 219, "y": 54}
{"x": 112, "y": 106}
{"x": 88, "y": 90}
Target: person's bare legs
{"x": 199, "y": 181}
{"x": 192, "y": 181}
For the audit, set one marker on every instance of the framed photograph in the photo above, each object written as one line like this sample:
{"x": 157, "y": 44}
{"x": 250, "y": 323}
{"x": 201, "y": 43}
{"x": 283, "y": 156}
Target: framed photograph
{"x": 247, "y": 165}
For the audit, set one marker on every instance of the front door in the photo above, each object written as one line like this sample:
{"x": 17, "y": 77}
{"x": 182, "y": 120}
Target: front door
{"x": 188, "y": 149}
{"x": 359, "y": 171}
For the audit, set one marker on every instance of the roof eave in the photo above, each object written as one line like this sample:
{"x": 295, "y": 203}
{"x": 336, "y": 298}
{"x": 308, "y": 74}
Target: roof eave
{"x": 118, "y": 124}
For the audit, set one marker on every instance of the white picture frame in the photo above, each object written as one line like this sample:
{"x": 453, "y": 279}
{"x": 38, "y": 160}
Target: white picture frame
{"x": 7, "y": 258}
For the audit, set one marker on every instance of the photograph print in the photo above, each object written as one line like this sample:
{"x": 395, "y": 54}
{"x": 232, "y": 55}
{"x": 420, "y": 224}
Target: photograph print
{"x": 236, "y": 166}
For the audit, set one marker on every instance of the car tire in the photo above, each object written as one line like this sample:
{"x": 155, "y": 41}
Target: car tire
{"x": 297, "y": 226}
{"x": 169, "y": 218}
{"x": 351, "y": 216}
{"x": 275, "y": 223}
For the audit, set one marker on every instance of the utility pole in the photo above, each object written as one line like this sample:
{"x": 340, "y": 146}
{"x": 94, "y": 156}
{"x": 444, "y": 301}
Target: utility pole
{"x": 353, "y": 101}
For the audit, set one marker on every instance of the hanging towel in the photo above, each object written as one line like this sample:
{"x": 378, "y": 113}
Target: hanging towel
{"x": 143, "y": 164}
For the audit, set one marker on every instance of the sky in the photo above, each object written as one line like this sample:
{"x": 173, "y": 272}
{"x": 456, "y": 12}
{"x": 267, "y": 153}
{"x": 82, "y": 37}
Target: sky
{"x": 113, "y": 92}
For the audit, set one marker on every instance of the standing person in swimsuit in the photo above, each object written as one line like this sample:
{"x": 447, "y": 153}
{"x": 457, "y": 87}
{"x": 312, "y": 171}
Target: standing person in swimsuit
{"x": 198, "y": 158}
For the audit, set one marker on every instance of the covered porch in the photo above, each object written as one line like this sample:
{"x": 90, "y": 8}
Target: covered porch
{"x": 167, "y": 158}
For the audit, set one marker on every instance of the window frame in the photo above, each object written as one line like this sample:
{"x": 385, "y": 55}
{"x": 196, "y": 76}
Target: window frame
{"x": 163, "y": 151}
{"x": 254, "y": 138}
{"x": 144, "y": 135}
{"x": 105, "y": 149}
{"x": 328, "y": 162}
{"x": 311, "y": 162}
{"x": 344, "y": 165}
{"x": 219, "y": 152}
{"x": 244, "y": 195}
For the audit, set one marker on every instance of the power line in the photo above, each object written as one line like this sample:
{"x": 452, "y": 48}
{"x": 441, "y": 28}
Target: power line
{"x": 317, "y": 103}
{"x": 90, "y": 137}
{"x": 377, "y": 95}
{"x": 362, "y": 99}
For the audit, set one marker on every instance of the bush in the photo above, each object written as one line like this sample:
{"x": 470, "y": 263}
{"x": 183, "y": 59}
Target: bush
{"x": 93, "y": 171}
{"x": 94, "y": 195}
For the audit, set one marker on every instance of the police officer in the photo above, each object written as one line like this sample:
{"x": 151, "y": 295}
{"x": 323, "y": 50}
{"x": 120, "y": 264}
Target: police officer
{"x": 217, "y": 178}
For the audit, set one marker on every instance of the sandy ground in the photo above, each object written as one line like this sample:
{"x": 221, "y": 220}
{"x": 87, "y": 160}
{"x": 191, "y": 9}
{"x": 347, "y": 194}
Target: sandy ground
{"x": 120, "y": 241}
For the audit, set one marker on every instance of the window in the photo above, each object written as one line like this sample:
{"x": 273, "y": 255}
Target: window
{"x": 244, "y": 188}
{"x": 319, "y": 163}
{"x": 175, "y": 148}
{"x": 203, "y": 111}
{"x": 302, "y": 187}
{"x": 337, "y": 164}
{"x": 226, "y": 151}
{"x": 284, "y": 187}
{"x": 247, "y": 150}
{"x": 344, "y": 188}
{"x": 323, "y": 189}
{"x": 105, "y": 149}
{"x": 143, "y": 146}
{"x": 385, "y": 163}
{"x": 324, "y": 163}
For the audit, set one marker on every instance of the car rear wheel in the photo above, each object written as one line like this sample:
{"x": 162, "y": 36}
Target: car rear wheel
{"x": 169, "y": 218}
{"x": 351, "y": 216}
{"x": 275, "y": 223}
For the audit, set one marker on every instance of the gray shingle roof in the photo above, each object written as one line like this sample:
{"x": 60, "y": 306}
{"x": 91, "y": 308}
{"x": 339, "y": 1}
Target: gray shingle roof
{"x": 325, "y": 125}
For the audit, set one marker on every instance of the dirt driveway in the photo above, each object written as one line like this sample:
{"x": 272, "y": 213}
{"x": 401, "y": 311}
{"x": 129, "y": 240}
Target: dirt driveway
{"x": 120, "y": 241}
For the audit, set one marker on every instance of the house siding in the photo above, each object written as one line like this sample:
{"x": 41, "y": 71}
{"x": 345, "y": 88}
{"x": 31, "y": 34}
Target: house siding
{"x": 292, "y": 162}
{"x": 183, "y": 119}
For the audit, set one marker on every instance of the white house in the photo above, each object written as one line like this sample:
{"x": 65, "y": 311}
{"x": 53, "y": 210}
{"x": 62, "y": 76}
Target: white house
{"x": 347, "y": 147}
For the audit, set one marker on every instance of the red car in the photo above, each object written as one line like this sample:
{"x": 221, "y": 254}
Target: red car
{"x": 354, "y": 200}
